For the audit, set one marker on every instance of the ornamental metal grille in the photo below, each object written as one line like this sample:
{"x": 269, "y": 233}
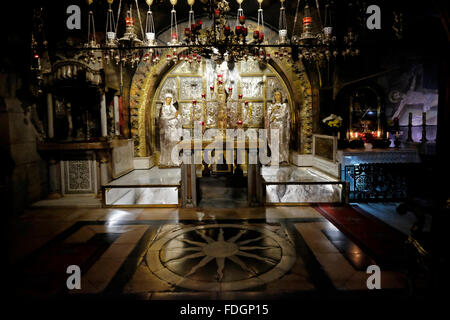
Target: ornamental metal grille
{"x": 380, "y": 181}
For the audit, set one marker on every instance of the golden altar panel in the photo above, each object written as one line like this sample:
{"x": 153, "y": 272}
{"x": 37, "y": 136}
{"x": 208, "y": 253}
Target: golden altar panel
{"x": 247, "y": 89}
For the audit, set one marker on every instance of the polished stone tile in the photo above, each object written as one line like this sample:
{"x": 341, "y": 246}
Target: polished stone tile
{"x": 145, "y": 281}
{"x": 150, "y": 253}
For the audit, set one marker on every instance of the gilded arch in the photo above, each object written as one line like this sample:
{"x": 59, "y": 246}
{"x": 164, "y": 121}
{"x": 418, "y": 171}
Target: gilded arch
{"x": 148, "y": 77}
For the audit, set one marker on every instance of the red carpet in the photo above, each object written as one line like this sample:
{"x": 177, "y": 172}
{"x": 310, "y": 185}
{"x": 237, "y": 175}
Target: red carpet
{"x": 381, "y": 241}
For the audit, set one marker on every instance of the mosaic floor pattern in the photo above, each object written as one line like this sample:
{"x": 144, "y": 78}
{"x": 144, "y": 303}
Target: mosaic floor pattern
{"x": 257, "y": 253}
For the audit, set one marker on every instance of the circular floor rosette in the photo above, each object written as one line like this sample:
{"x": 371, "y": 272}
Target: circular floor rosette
{"x": 220, "y": 257}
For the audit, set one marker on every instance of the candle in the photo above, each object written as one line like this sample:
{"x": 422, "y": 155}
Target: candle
{"x": 261, "y": 37}
{"x": 348, "y": 135}
{"x": 378, "y": 134}
{"x": 410, "y": 119}
{"x": 129, "y": 21}
{"x": 424, "y": 118}
{"x": 387, "y": 135}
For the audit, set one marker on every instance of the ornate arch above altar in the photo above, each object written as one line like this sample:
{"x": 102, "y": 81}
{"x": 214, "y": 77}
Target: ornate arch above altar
{"x": 148, "y": 82}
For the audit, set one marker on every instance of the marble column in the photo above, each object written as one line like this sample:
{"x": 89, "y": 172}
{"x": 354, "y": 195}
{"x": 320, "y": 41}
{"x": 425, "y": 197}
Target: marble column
{"x": 103, "y": 120}
{"x": 258, "y": 181}
{"x": 188, "y": 184}
{"x": 50, "y": 126}
{"x": 104, "y": 173}
{"x": 116, "y": 116}
{"x": 54, "y": 171}
{"x": 251, "y": 176}
{"x": 98, "y": 175}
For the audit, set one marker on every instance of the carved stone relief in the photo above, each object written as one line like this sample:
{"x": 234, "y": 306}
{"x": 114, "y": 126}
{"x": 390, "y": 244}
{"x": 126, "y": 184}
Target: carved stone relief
{"x": 252, "y": 87}
{"x": 190, "y": 88}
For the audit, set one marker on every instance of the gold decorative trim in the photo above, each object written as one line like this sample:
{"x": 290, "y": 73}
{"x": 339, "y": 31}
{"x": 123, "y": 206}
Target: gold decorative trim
{"x": 148, "y": 78}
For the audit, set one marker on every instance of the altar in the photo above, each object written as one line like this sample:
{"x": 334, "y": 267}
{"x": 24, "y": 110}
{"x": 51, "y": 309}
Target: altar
{"x": 206, "y": 156}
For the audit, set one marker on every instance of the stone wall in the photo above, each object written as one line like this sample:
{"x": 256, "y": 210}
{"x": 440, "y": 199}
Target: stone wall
{"x": 25, "y": 172}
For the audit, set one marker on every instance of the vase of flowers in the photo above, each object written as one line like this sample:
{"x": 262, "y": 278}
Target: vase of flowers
{"x": 333, "y": 123}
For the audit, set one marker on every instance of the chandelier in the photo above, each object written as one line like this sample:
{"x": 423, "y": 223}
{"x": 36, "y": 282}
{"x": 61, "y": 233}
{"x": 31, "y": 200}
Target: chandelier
{"x": 221, "y": 40}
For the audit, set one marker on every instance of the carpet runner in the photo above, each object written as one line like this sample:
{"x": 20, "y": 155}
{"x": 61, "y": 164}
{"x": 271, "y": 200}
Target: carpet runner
{"x": 384, "y": 243}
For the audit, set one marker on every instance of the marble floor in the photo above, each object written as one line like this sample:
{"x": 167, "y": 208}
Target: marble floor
{"x": 177, "y": 253}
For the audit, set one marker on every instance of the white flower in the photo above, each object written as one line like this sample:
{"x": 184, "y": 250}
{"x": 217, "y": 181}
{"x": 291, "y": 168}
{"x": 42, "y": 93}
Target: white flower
{"x": 329, "y": 118}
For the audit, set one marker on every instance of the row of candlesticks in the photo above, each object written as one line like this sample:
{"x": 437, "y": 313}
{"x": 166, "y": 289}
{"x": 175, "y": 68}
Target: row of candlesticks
{"x": 203, "y": 102}
{"x": 355, "y": 135}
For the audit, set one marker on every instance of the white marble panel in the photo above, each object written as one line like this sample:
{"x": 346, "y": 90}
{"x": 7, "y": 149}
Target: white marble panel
{"x": 153, "y": 176}
{"x": 331, "y": 193}
{"x": 294, "y": 174}
{"x": 142, "y": 196}
{"x": 122, "y": 159}
{"x": 141, "y": 163}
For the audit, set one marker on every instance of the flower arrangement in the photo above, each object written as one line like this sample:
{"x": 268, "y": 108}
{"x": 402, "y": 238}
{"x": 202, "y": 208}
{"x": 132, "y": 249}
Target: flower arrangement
{"x": 333, "y": 121}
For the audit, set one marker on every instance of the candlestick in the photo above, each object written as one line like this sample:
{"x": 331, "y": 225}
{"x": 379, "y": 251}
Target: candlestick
{"x": 424, "y": 127}
{"x": 409, "y": 127}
